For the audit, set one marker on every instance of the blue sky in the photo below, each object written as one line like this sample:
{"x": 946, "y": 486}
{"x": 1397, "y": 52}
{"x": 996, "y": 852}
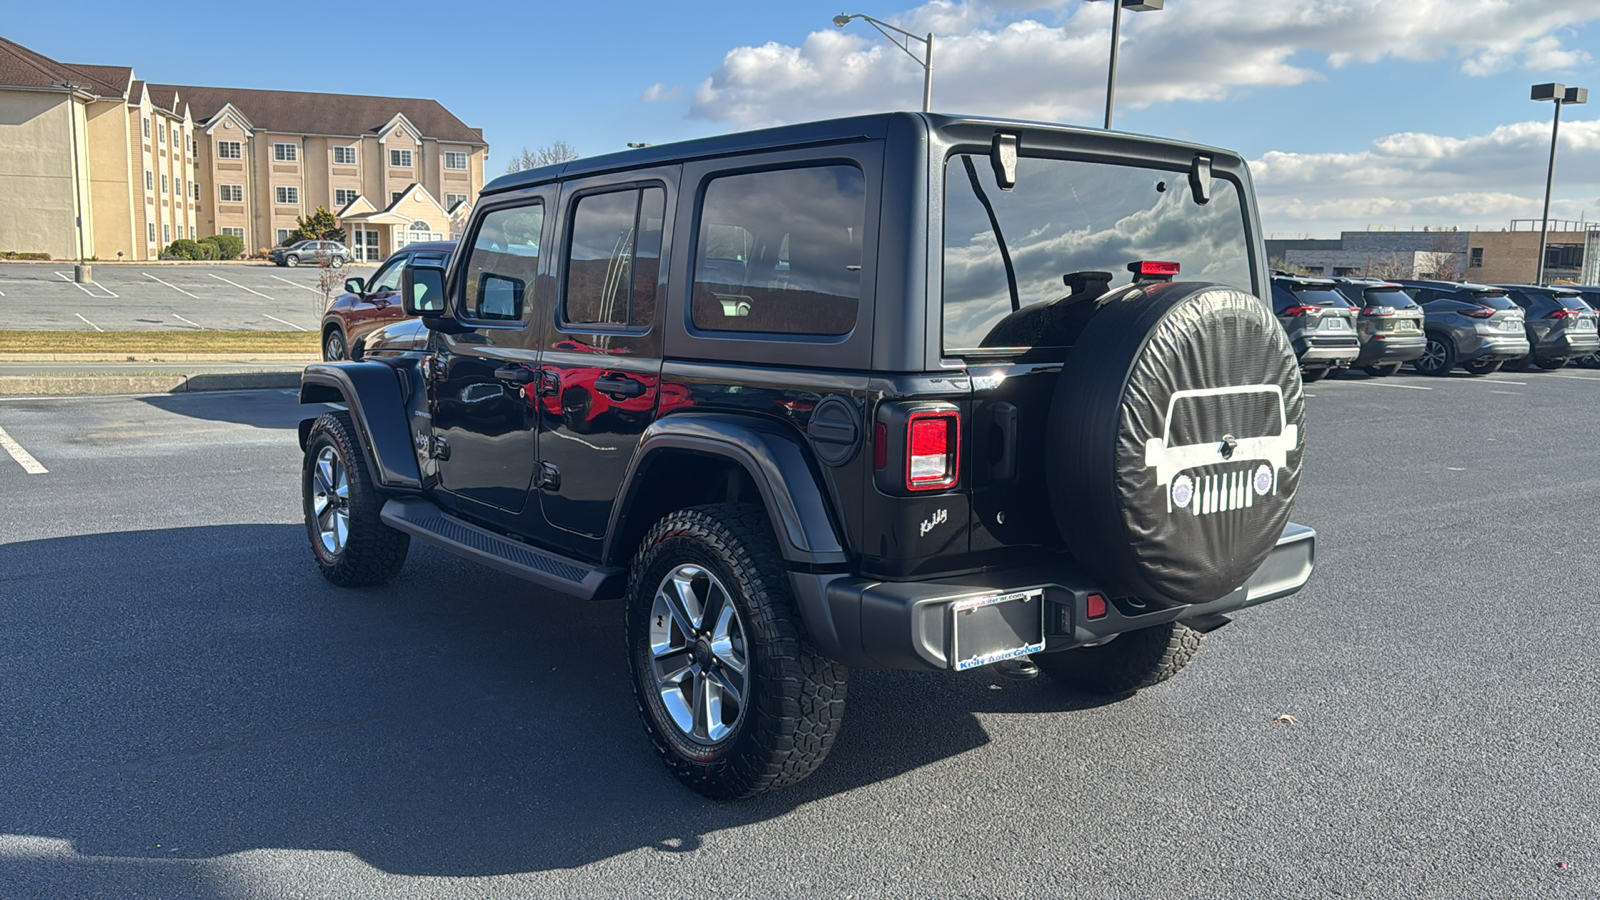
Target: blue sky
{"x": 1353, "y": 112}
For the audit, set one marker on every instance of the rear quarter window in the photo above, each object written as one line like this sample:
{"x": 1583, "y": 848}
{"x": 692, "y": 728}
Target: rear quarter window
{"x": 779, "y": 251}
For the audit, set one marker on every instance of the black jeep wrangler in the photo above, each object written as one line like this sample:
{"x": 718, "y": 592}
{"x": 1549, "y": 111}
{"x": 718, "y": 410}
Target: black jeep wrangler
{"x": 900, "y": 391}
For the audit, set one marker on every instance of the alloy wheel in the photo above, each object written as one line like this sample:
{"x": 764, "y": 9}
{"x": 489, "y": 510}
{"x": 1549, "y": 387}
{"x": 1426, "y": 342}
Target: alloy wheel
{"x": 698, "y": 655}
{"x": 330, "y": 501}
{"x": 1433, "y": 357}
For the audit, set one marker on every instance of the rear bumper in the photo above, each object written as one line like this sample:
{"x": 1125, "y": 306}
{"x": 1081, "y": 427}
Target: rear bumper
{"x": 1381, "y": 348}
{"x": 1566, "y": 346}
{"x": 1330, "y": 353}
{"x": 1495, "y": 347}
{"x": 906, "y": 625}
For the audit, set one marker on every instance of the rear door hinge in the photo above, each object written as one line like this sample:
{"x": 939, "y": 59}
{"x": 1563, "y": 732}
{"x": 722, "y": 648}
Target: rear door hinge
{"x": 548, "y": 477}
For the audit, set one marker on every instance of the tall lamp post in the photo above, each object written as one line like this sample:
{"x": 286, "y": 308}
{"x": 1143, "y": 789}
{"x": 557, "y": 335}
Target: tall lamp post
{"x": 1562, "y": 95}
{"x": 1117, "y": 6}
{"x": 904, "y": 43}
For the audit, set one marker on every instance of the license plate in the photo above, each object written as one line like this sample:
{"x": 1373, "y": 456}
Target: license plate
{"x": 1405, "y": 326}
{"x": 986, "y": 630}
{"x": 1334, "y": 324}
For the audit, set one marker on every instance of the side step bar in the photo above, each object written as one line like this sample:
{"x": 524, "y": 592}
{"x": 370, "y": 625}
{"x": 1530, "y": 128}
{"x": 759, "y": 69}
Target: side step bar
{"x": 422, "y": 519}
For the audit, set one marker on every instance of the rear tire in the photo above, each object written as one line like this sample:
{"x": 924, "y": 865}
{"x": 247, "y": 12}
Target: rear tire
{"x": 1520, "y": 364}
{"x": 1310, "y": 375}
{"x": 1484, "y": 367}
{"x": 1550, "y": 365}
{"x": 350, "y": 543}
{"x": 1439, "y": 357}
{"x": 1132, "y": 662}
{"x": 1383, "y": 371}
{"x": 786, "y": 699}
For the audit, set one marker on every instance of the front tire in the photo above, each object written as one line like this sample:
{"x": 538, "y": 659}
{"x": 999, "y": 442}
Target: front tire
{"x": 1134, "y": 661}
{"x": 337, "y": 262}
{"x": 734, "y": 697}
{"x": 351, "y": 545}
{"x": 1484, "y": 367}
{"x": 291, "y": 261}
{"x": 1438, "y": 358}
{"x": 334, "y": 348}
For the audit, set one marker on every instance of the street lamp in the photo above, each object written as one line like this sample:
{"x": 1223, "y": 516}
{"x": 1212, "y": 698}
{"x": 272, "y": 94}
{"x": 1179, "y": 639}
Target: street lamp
{"x": 1562, "y": 95}
{"x": 904, "y": 43}
{"x": 1117, "y": 6}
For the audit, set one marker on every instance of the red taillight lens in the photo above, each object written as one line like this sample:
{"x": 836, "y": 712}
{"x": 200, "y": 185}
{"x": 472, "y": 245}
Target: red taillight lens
{"x": 1148, "y": 268}
{"x": 1564, "y": 314}
{"x": 933, "y": 450}
{"x": 1478, "y": 313}
{"x": 1302, "y": 310}
{"x": 1377, "y": 311}
{"x": 1095, "y": 607}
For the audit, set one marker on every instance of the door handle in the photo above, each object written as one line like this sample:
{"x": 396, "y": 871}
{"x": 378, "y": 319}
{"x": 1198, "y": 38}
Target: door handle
{"x": 622, "y": 387}
{"x": 516, "y": 374}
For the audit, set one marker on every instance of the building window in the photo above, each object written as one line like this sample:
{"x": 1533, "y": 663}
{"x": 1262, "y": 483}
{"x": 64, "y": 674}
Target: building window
{"x": 191, "y": 232}
{"x": 147, "y": 127}
{"x": 344, "y": 156}
{"x": 161, "y": 135}
{"x": 395, "y": 197}
{"x": 150, "y": 231}
{"x": 149, "y": 180}
{"x": 1475, "y": 258}
{"x": 236, "y": 232}
{"x": 230, "y": 193}
{"x": 343, "y": 198}
{"x": 451, "y": 200}
{"x": 400, "y": 159}
{"x": 1346, "y": 271}
{"x": 164, "y": 183}
{"x": 228, "y": 150}
{"x": 285, "y": 152}
{"x": 1563, "y": 256}
{"x": 453, "y": 160}
{"x": 166, "y": 234}
{"x": 177, "y": 140}
{"x": 286, "y": 195}
{"x": 196, "y": 186}
{"x": 283, "y": 235}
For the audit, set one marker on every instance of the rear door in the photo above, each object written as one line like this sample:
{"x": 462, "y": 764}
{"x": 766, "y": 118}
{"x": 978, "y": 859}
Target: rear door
{"x": 600, "y": 372}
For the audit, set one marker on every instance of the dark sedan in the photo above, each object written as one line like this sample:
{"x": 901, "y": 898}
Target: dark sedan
{"x": 374, "y": 303}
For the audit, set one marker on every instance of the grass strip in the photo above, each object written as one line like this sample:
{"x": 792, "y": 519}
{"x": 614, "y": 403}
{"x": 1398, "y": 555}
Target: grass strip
{"x": 147, "y": 342}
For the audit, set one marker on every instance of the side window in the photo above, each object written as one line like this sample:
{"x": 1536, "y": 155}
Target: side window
{"x": 387, "y": 281}
{"x": 780, "y": 251}
{"x": 504, "y": 264}
{"x": 614, "y": 258}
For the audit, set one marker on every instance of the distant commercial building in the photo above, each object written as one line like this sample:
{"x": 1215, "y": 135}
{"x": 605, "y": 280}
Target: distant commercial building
{"x": 1508, "y": 256}
{"x": 98, "y": 164}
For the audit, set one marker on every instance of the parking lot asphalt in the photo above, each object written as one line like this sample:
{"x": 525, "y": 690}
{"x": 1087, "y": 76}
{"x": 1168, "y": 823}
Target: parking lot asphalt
{"x": 128, "y": 297}
{"x": 190, "y": 710}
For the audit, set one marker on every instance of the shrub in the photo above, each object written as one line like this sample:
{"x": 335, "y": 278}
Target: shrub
{"x": 230, "y": 245}
{"x": 182, "y": 248}
{"x": 208, "y": 249}
{"x": 15, "y": 254}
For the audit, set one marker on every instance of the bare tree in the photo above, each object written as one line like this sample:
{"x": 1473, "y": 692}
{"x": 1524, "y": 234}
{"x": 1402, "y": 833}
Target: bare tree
{"x": 548, "y": 155}
{"x": 1389, "y": 265}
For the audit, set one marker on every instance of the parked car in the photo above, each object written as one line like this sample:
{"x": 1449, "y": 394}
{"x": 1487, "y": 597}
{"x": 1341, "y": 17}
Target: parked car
{"x": 1560, "y": 325}
{"x": 311, "y": 253}
{"x": 367, "y": 304}
{"x": 790, "y": 478}
{"x": 1319, "y": 321}
{"x": 1390, "y": 325}
{"x": 402, "y": 337}
{"x": 1474, "y": 326}
{"x": 1589, "y": 294}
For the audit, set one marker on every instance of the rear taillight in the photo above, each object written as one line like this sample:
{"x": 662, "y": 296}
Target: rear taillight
{"x": 1478, "y": 312}
{"x": 1377, "y": 311}
{"x": 933, "y": 450}
{"x": 1302, "y": 310}
{"x": 1564, "y": 314}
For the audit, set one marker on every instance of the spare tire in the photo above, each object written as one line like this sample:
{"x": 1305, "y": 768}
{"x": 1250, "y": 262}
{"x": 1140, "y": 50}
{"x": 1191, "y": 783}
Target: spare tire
{"x": 1176, "y": 434}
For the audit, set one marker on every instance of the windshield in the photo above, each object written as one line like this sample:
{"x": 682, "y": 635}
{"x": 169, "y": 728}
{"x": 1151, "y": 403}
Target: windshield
{"x": 1065, "y": 217}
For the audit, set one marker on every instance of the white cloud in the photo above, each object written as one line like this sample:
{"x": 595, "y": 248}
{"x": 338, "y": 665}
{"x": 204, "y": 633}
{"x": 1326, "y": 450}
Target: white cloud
{"x": 658, "y": 92}
{"x": 1428, "y": 179}
{"x": 1046, "y": 60}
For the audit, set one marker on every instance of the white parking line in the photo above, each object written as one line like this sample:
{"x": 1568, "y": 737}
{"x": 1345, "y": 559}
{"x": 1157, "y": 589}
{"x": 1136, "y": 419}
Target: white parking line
{"x": 240, "y": 287}
{"x": 109, "y": 293}
{"x": 290, "y": 324}
{"x": 300, "y": 286}
{"x": 1407, "y": 387}
{"x": 187, "y": 322}
{"x": 89, "y": 323}
{"x": 170, "y": 285}
{"x": 23, "y": 457}
{"x": 1546, "y": 375}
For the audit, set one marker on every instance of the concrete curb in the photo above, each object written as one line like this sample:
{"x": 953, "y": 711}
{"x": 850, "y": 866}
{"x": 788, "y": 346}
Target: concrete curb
{"x": 145, "y": 383}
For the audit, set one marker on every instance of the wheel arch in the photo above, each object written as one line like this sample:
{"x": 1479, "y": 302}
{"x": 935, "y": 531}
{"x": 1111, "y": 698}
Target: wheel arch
{"x": 371, "y": 391}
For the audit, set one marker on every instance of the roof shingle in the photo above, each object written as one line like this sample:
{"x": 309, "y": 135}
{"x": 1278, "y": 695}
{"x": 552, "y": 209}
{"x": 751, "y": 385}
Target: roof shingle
{"x": 298, "y": 112}
{"x": 21, "y": 67}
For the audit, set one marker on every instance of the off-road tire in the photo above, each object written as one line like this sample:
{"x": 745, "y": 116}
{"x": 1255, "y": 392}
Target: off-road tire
{"x": 373, "y": 552}
{"x": 1134, "y": 661}
{"x": 1382, "y": 371}
{"x": 1447, "y": 354}
{"x": 794, "y": 698}
{"x": 1316, "y": 373}
{"x": 1484, "y": 367}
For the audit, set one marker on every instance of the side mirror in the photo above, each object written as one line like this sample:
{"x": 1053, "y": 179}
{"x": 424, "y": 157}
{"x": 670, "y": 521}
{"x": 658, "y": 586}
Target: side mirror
{"x": 354, "y": 286}
{"x": 422, "y": 290}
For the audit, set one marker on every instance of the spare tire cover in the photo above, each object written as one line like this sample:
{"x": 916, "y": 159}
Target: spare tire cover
{"x": 1176, "y": 433}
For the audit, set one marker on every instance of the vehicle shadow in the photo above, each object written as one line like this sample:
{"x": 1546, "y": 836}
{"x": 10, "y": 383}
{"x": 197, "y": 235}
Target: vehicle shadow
{"x": 187, "y": 693}
{"x": 267, "y": 408}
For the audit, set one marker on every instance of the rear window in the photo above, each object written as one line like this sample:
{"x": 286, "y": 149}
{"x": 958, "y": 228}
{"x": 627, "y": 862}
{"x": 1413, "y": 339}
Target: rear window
{"x": 1065, "y": 217}
{"x": 1392, "y": 297}
{"x": 1286, "y": 295}
{"x": 1571, "y": 301}
{"x": 1490, "y": 299}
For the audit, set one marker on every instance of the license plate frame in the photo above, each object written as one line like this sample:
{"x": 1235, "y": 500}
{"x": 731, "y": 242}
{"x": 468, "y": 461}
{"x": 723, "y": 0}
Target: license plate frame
{"x": 995, "y": 627}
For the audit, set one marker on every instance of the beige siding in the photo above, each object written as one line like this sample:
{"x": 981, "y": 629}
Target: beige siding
{"x": 36, "y": 177}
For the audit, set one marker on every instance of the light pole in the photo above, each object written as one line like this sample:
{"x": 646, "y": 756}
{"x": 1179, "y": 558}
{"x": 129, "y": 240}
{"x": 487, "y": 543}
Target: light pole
{"x": 1562, "y": 95}
{"x": 1117, "y": 6}
{"x": 904, "y": 43}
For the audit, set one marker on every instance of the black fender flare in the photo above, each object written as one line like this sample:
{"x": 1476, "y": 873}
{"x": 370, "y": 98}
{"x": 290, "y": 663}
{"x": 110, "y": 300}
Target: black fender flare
{"x": 777, "y": 463}
{"x": 371, "y": 390}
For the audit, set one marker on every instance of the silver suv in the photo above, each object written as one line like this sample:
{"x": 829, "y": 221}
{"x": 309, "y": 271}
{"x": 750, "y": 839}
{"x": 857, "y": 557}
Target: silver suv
{"x": 311, "y": 253}
{"x": 1390, "y": 325}
{"x": 1474, "y": 326}
{"x": 1319, "y": 321}
{"x": 1560, "y": 326}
